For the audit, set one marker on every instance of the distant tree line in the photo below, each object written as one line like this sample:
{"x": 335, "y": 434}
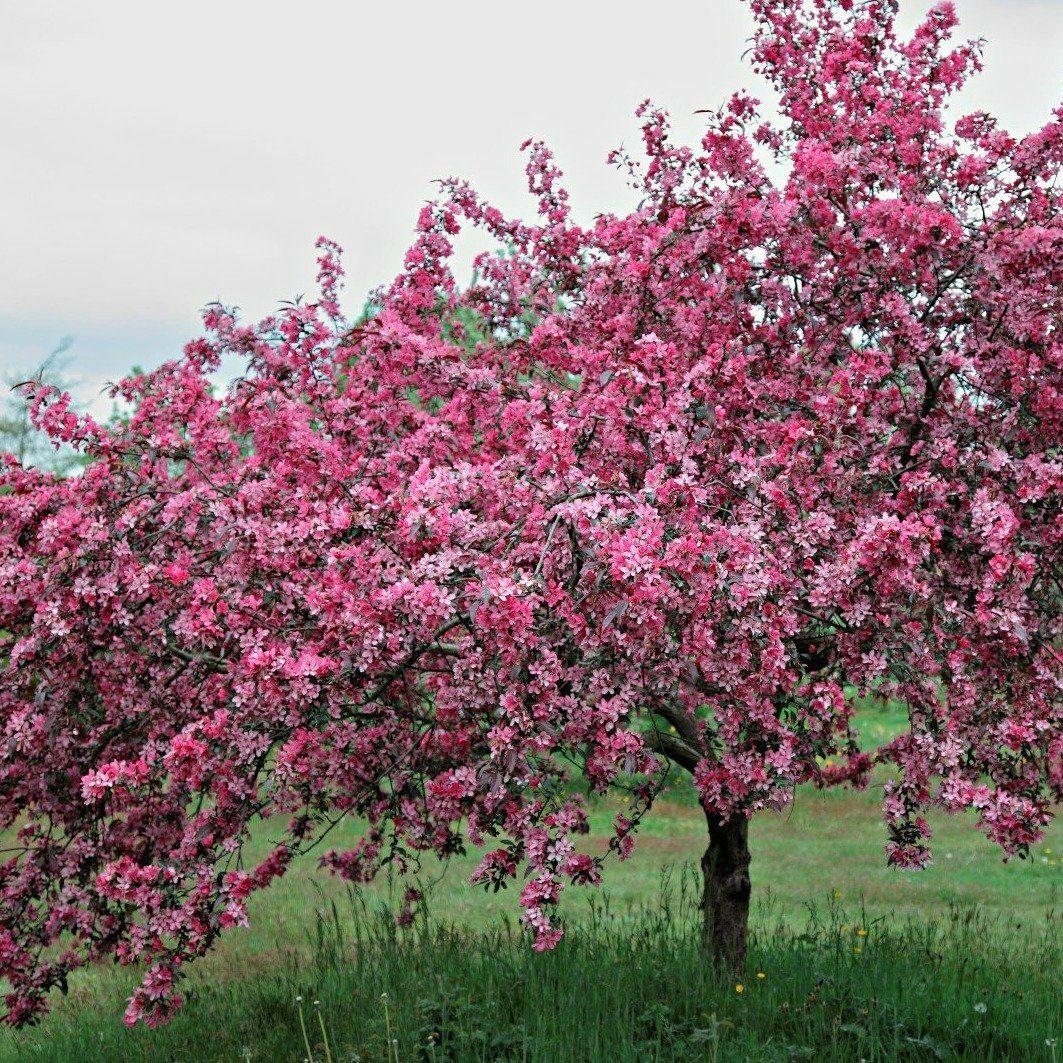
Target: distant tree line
{"x": 17, "y": 434}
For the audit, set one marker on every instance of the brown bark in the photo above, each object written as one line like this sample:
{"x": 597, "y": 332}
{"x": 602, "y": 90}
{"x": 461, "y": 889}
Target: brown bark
{"x": 725, "y": 896}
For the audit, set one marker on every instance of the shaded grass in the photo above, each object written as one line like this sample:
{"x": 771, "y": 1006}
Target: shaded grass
{"x": 621, "y": 986}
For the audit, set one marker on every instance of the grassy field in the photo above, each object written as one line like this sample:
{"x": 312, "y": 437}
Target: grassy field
{"x": 859, "y": 961}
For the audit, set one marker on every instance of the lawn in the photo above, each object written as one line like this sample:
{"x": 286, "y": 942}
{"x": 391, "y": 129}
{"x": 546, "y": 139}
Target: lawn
{"x": 859, "y": 960}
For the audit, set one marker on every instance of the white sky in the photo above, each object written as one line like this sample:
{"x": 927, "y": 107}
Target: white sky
{"x": 159, "y": 156}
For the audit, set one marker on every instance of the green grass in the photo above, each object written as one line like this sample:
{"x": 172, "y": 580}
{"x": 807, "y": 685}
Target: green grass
{"x": 627, "y": 982}
{"x": 621, "y": 986}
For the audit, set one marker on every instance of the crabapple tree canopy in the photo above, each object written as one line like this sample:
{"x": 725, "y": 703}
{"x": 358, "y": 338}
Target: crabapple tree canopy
{"x": 672, "y": 488}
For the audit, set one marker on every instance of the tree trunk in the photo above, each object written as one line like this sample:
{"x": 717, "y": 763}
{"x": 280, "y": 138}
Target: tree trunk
{"x": 725, "y": 897}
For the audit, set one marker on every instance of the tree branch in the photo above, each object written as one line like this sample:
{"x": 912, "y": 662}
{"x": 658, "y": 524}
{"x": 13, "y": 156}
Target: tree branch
{"x": 674, "y": 748}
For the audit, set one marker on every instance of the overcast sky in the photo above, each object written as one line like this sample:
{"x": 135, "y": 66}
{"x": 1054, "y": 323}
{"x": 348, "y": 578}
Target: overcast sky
{"x": 160, "y": 156}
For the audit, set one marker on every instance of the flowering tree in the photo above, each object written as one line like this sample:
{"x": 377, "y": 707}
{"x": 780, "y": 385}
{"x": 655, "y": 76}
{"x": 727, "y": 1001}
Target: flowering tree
{"x": 672, "y": 489}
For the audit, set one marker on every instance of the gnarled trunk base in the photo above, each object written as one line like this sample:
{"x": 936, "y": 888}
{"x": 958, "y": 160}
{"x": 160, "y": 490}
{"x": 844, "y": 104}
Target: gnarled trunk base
{"x": 725, "y": 897}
